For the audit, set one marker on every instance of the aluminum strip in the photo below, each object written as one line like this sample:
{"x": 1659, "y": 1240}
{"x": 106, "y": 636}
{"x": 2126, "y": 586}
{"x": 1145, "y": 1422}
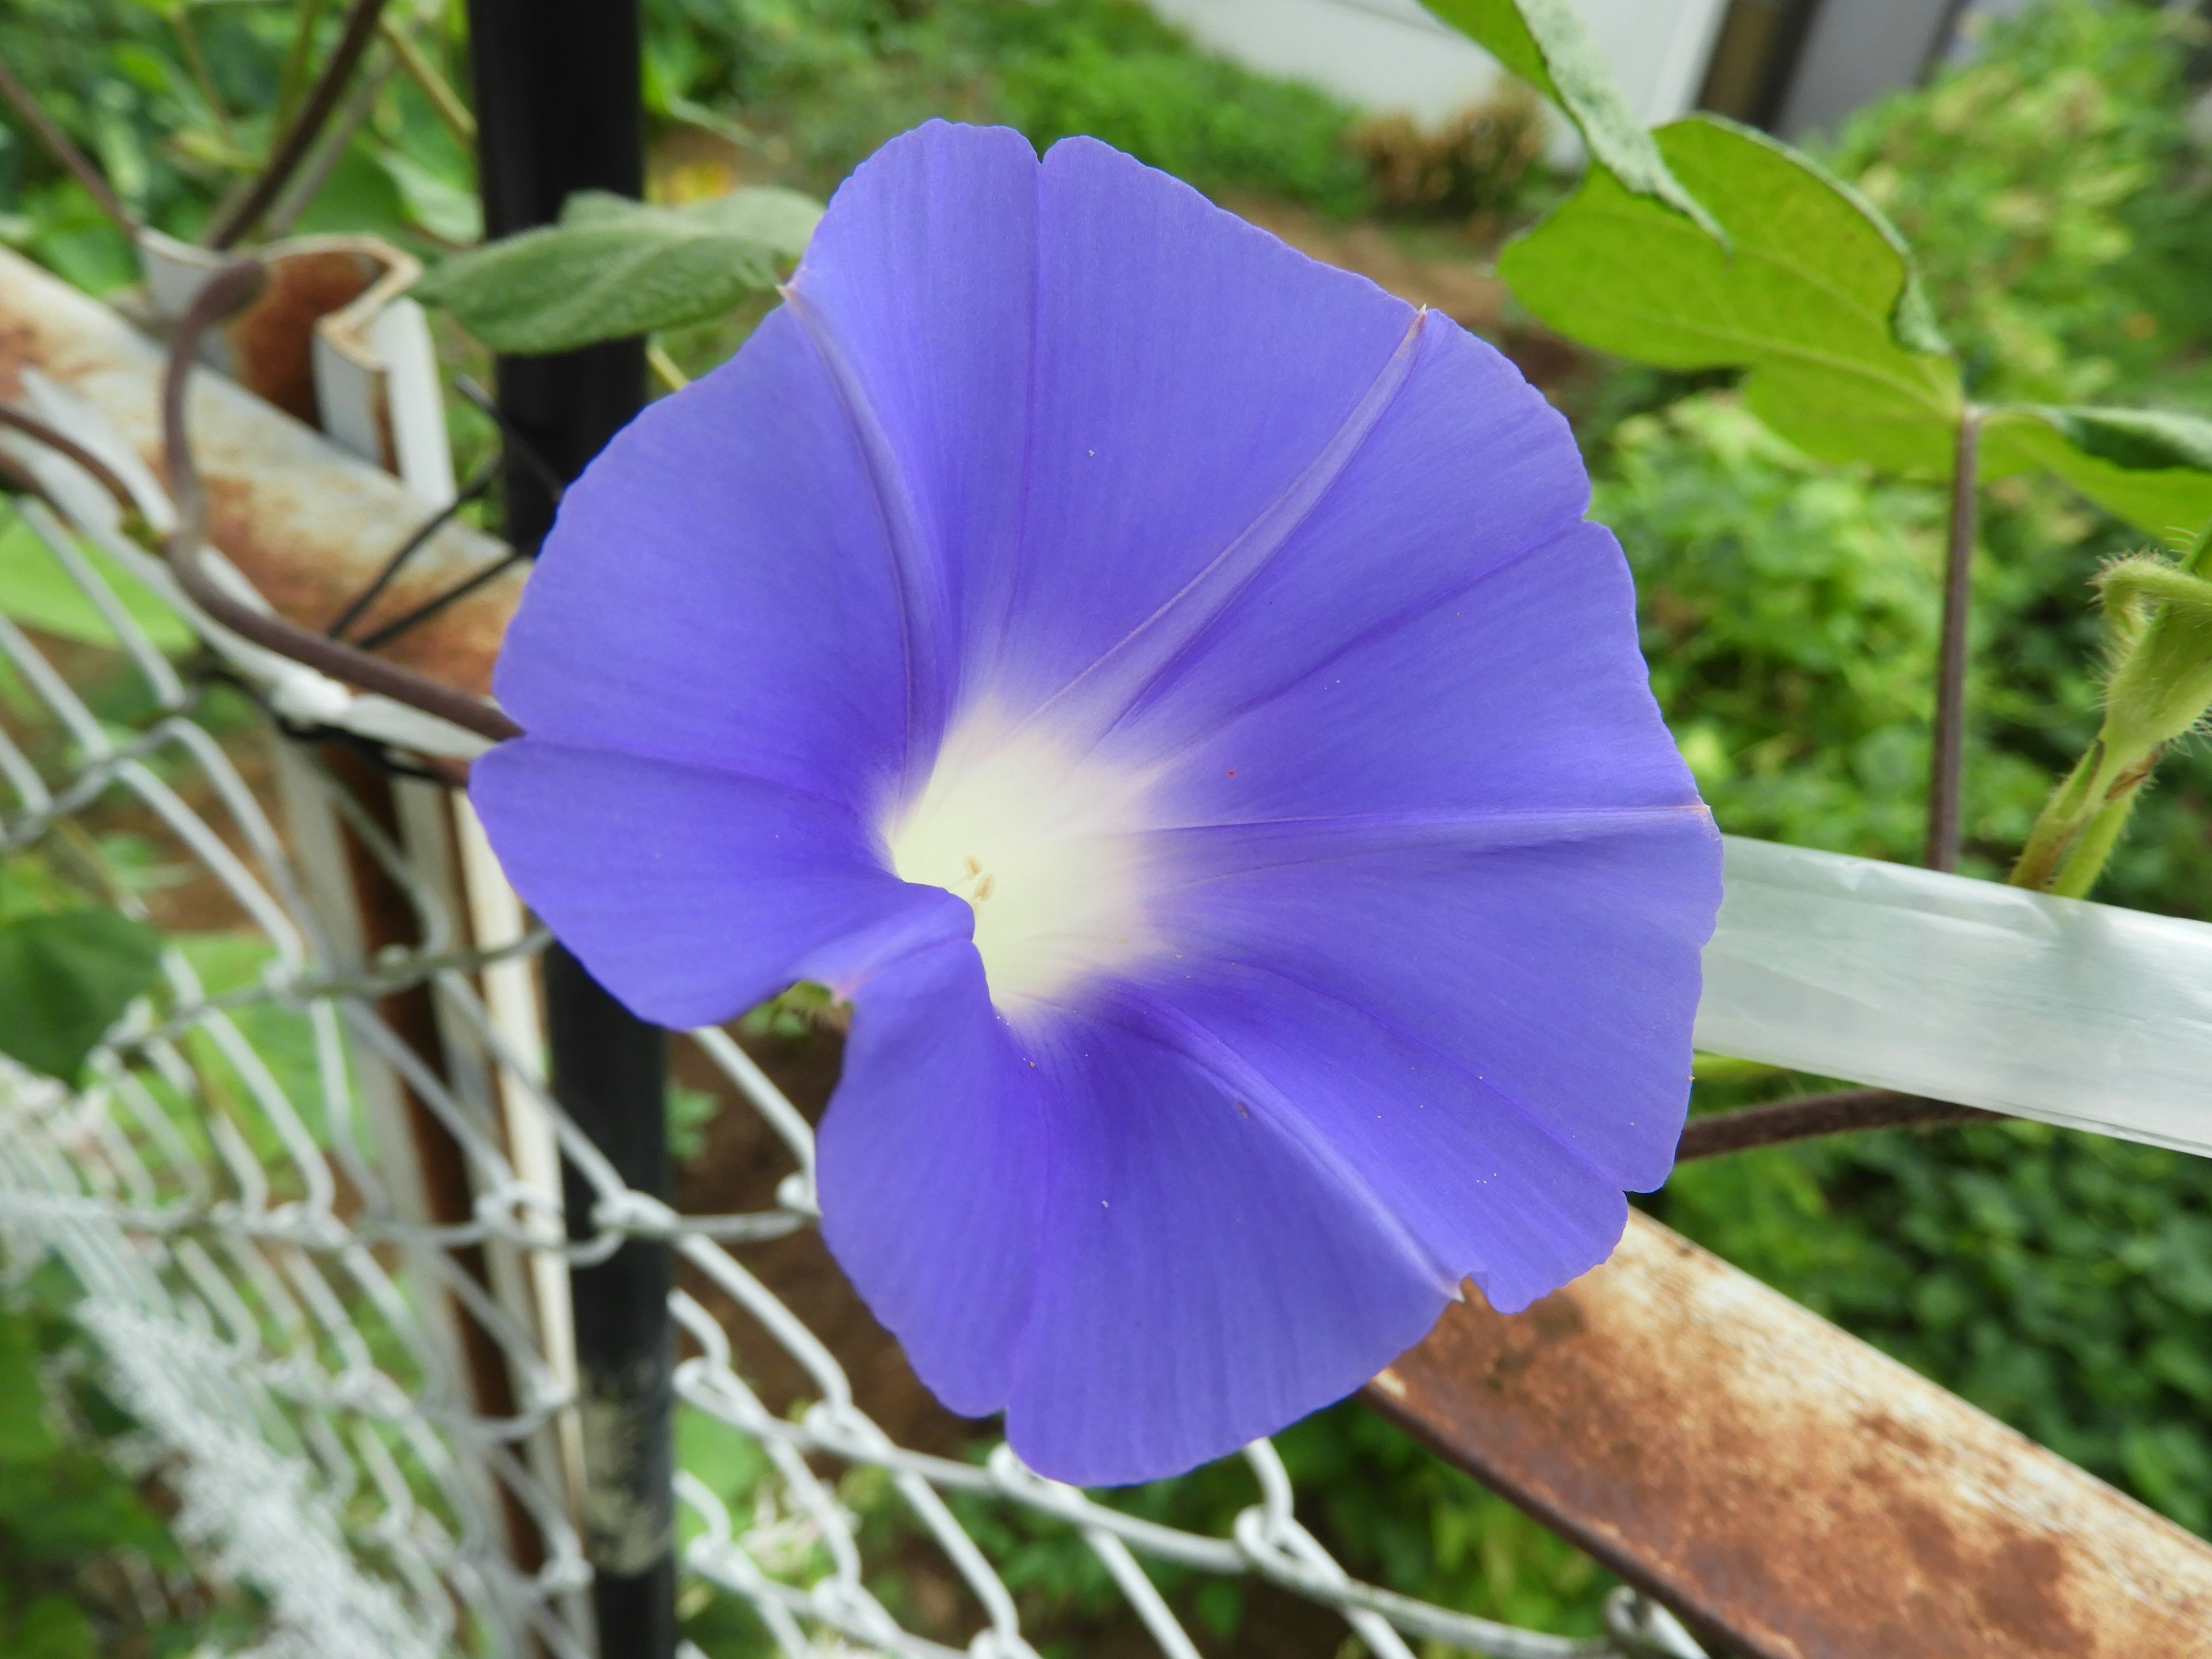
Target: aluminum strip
{"x": 2075, "y": 1013}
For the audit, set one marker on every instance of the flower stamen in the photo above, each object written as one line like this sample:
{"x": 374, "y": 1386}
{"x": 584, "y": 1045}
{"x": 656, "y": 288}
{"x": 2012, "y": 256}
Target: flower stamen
{"x": 1050, "y": 836}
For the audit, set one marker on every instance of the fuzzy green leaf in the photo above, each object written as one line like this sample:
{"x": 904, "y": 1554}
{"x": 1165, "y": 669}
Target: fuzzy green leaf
{"x": 1813, "y": 297}
{"x": 2147, "y": 466}
{"x": 614, "y": 267}
{"x": 64, "y": 979}
{"x": 1547, "y": 45}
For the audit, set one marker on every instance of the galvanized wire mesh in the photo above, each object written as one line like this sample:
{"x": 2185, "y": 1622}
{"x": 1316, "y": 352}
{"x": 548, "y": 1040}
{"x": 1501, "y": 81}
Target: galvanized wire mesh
{"x": 366, "y": 1405}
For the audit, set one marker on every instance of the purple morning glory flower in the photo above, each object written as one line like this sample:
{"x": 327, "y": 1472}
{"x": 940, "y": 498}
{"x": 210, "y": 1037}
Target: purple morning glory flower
{"x": 1168, "y": 686}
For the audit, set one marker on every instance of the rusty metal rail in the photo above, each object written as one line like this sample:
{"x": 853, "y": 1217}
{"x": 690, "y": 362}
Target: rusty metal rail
{"x": 309, "y": 525}
{"x": 1792, "y": 1492}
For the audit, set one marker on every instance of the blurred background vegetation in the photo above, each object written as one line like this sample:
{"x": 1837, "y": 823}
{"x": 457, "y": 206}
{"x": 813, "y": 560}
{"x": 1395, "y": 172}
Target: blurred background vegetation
{"x": 2057, "y": 190}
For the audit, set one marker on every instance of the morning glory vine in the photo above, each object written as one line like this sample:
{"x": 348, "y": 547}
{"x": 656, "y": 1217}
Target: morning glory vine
{"x": 2159, "y": 615}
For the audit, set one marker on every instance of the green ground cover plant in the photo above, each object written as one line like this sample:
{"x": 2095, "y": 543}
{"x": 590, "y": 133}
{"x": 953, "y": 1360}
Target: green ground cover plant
{"x": 86, "y": 1552}
{"x": 821, "y": 83}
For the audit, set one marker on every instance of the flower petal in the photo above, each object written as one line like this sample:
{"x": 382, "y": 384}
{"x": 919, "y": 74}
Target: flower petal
{"x": 1492, "y": 1191}
{"x": 1465, "y": 472}
{"x": 693, "y": 894}
{"x": 1312, "y": 758}
{"x": 1467, "y": 824}
{"x": 1523, "y": 689}
{"x": 1074, "y": 381}
{"x": 681, "y": 606}
{"x": 1190, "y": 369}
{"x": 1206, "y": 1272}
{"x": 1493, "y": 1027}
{"x": 931, "y": 1172}
{"x": 919, "y": 289}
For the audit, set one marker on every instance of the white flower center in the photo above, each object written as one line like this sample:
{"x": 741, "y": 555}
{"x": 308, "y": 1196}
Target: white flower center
{"x": 1044, "y": 842}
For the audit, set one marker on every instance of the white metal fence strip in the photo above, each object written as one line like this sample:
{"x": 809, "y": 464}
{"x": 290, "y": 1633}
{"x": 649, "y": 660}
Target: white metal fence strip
{"x": 2071, "y": 1012}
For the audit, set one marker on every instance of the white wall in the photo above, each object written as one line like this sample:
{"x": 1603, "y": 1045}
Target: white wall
{"x": 1855, "y": 53}
{"x": 1390, "y": 54}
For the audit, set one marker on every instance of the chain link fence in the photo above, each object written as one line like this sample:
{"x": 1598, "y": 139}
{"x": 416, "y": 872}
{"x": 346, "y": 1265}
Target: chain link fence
{"x": 311, "y": 1195}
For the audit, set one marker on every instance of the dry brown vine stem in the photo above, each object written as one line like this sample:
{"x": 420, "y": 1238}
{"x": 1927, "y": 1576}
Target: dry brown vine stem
{"x": 1838, "y": 1113}
{"x": 234, "y": 285}
{"x": 235, "y": 221}
{"x": 62, "y": 444}
{"x": 340, "y": 662}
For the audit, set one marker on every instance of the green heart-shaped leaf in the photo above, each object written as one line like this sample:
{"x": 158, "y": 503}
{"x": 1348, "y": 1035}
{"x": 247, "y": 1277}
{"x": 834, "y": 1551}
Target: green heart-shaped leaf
{"x": 2152, "y": 468}
{"x": 1547, "y": 45}
{"x": 1814, "y": 297}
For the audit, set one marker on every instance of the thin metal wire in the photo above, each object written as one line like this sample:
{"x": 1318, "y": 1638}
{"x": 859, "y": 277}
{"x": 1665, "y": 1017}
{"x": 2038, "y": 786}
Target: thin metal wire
{"x": 517, "y": 441}
{"x": 474, "y": 489}
{"x": 430, "y": 607}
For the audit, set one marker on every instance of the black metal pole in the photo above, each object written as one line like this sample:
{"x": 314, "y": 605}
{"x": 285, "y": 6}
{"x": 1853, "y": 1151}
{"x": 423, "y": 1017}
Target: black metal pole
{"x": 558, "y": 110}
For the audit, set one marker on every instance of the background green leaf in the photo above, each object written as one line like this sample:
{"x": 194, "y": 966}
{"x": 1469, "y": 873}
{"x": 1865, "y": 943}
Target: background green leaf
{"x": 64, "y": 979}
{"x": 1547, "y": 45}
{"x": 34, "y": 589}
{"x": 1814, "y": 297}
{"x": 614, "y": 267}
{"x": 2152, "y": 468}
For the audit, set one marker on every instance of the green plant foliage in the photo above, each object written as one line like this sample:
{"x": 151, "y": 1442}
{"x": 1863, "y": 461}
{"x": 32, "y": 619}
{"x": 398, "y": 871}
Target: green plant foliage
{"x": 64, "y": 978}
{"x": 36, "y": 591}
{"x": 1208, "y": 123}
{"x": 1393, "y": 1511}
{"x": 70, "y": 1517}
{"x": 73, "y": 1504}
{"x": 2152, "y": 468}
{"x": 176, "y": 104}
{"x": 1813, "y": 296}
{"x": 1470, "y": 166}
{"x": 614, "y": 267}
{"x": 1816, "y": 299}
{"x": 790, "y": 1015}
{"x": 2056, "y": 199}
{"x": 1547, "y": 45}
{"x": 2051, "y": 1278}
{"x": 690, "y": 1111}
{"x": 811, "y": 87}
{"x": 1387, "y": 1509}
{"x": 1789, "y": 614}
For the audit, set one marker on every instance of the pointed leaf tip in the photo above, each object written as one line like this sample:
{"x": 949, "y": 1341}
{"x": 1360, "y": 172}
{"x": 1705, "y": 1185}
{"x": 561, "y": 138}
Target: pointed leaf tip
{"x": 1547, "y": 45}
